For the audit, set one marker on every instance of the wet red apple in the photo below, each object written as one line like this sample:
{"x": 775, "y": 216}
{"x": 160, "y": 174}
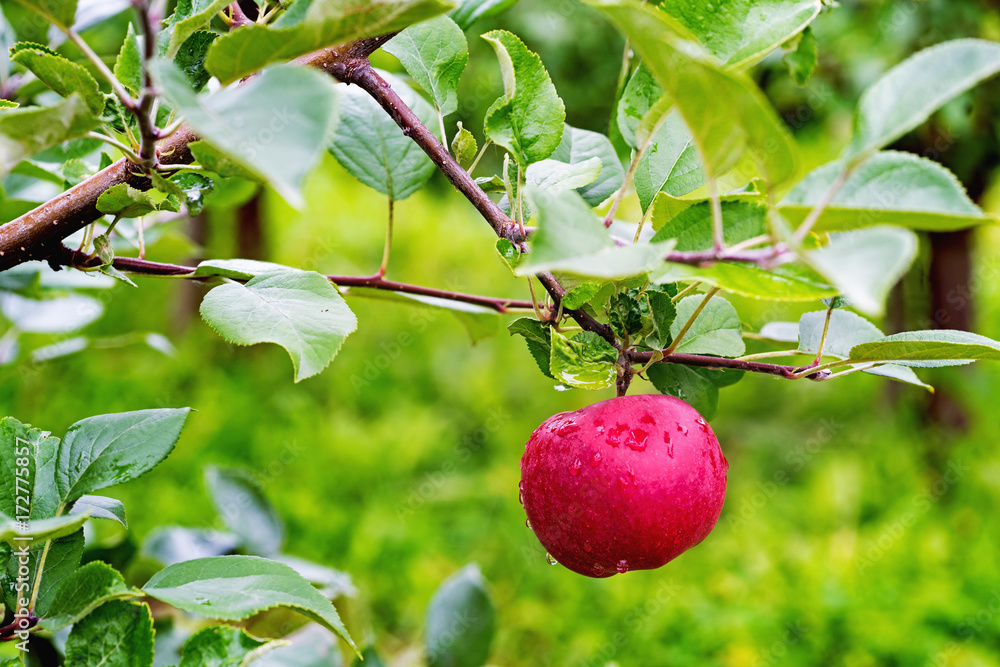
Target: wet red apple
{"x": 625, "y": 484}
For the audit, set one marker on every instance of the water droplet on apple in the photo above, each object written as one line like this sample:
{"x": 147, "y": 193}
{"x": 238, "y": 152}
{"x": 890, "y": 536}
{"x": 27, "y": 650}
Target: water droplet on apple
{"x": 682, "y": 429}
{"x": 599, "y": 425}
{"x": 574, "y": 468}
{"x": 622, "y": 566}
{"x": 527, "y": 522}
{"x": 596, "y": 460}
{"x": 636, "y": 440}
{"x": 567, "y": 428}
{"x": 550, "y": 560}
{"x": 702, "y": 424}
{"x": 615, "y": 435}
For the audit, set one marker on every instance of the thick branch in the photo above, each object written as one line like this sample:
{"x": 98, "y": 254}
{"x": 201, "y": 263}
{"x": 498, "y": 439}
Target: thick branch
{"x": 69, "y": 257}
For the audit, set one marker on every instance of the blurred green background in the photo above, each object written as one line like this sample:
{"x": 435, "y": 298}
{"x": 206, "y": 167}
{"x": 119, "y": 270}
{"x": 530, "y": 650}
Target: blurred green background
{"x": 855, "y": 531}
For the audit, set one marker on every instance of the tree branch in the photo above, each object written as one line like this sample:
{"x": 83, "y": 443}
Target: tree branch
{"x": 703, "y": 361}
{"x": 142, "y": 267}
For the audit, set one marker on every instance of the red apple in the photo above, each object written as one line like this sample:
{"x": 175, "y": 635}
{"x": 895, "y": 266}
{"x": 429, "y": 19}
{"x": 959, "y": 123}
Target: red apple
{"x": 625, "y": 484}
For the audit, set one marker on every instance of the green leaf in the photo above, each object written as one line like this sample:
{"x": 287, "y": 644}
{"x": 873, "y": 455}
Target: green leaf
{"x": 536, "y": 335}
{"x": 105, "y": 450}
{"x": 572, "y": 239}
{"x": 790, "y": 282}
{"x": 85, "y": 590}
{"x": 917, "y": 347}
{"x": 555, "y": 175}
{"x": 237, "y": 269}
{"x": 285, "y": 115}
{"x": 99, "y": 507}
{"x": 663, "y": 312}
{"x": 298, "y": 310}
{"x": 670, "y": 164}
{"x": 528, "y": 119}
{"x": 27, "y": 131}
{"x": 461, "y": 621}
{"x": 325, "y": 23}
{"x": 910, "y": 92}
{"x": 116, "y": 634}
{"x": 847, "y": 330}
{"x": 128, "y": 65}
{"x": 577, "y": 296}
{"x": 60, "y": 74}
{"x": 470, "y": 11}
{"x": 693, "y": 229}
{"x": 59, "y": 12}
{"x": 641, "y": 94}
{"x": 124, "y": 201}
{"x": 865, "y": 264}
{"x": 801, "y": 59}
{"x": 233, "y": 588}
{"x": 717, "y": 331}
{"x": 464, "y": 145}
{"x": 243, "y": 507}
{"x": 586, "y": 360}
{"x": 741, "y": 32}
{"x": 435, "y": 54}
{"x": 723, "y": 133}
{"x": 36, "y": 532}
{"x": 887, "y": 188}
{"x": 370, "y": 145}
{"x": 190, "y": 17}
{"x": 223, "y": 646}
{"x": 191, "y": 58}
{"x": 580, "y": 146}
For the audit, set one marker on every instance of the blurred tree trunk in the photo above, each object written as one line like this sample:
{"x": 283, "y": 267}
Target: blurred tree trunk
{"x": 250, "y": 241}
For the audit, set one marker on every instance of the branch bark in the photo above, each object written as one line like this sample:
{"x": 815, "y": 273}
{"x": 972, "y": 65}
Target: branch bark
{"x": 70, "y": 257}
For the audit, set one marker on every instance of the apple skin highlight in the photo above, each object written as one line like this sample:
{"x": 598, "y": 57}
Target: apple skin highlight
{"x": 626, "y": 484}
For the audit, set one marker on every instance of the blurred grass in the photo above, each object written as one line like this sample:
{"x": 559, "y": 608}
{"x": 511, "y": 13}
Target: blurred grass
{"x": 841, "y": 542}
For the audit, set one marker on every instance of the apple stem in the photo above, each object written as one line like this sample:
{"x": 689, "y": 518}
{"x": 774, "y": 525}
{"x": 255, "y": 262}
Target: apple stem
{"x": 625, "y": 373}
